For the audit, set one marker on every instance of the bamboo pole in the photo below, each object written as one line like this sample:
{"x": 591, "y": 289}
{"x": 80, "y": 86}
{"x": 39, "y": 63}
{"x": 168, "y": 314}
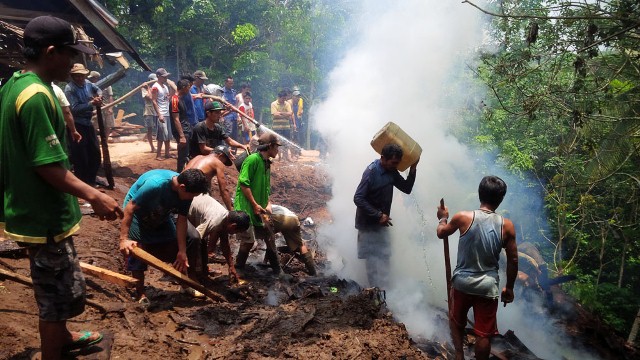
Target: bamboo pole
{"x": 106, "y": 158}
{"x": 447, "y": 261}
{"x": 27, "y": 281}
{"x": 127, "y": 95}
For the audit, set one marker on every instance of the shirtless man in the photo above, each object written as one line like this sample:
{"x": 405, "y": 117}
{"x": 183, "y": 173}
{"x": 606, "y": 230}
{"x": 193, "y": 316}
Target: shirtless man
{"x": 213, "y": 165}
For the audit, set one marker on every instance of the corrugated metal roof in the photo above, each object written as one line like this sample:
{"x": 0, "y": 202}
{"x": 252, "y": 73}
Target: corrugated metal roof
{"x": 96, "y": 21}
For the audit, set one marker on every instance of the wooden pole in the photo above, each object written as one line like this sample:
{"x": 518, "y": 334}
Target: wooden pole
{"x": 127, "y": 95}
{"x": 5, "y": 274}
{"x": 108, "y": 275}
{"x": 169, "y": 270}
{"x": 447, "y": 260}
{"x": 106, "y": 159}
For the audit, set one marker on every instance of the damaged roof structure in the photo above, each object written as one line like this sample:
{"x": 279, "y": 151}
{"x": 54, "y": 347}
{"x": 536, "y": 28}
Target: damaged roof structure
{"x": 87, "y": 16}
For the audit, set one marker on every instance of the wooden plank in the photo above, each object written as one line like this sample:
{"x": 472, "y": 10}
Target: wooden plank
{"x": 169, "y": 270}
{"x": 108, "y": 275}
{"x": 24, "y": 280}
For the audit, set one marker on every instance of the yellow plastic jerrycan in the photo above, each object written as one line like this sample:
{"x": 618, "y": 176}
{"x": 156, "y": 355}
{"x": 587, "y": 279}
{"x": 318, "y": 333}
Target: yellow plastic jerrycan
{"x": 393, "y": 134}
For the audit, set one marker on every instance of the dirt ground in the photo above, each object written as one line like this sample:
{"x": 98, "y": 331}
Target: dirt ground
{"x": 267, "y": 317}
{"x": 297, "y": 317}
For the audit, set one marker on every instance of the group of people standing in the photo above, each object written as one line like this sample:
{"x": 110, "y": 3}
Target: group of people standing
{"x": 175, "y": 110}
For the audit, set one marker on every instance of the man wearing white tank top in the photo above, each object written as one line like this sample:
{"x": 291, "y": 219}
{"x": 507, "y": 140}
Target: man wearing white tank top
{"x": 475, "y": 280}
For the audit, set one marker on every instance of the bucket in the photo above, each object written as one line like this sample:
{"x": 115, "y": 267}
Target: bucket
{"x": 240, "y": 159}
{"x": 393, "y": 134}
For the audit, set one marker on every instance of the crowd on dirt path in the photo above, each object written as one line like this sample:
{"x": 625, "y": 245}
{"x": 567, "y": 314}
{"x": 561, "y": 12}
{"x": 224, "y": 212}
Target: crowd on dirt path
{"x": 172, "y": 214}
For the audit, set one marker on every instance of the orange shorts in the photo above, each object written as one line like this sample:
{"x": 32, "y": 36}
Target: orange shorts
{"x": 484, "y": 312}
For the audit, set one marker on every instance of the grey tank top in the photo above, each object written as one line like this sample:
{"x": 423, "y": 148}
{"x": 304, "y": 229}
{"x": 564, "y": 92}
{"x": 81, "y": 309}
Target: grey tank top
{"x": 479, "y": 249}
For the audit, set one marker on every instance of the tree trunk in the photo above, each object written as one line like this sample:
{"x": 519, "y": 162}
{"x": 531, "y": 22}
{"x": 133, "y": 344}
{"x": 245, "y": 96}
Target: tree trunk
{"x": 622, "y": 261}
{"x": 603, "y": 236}
{"x": 634, "y": 329}
{"x": 177, "y": 57}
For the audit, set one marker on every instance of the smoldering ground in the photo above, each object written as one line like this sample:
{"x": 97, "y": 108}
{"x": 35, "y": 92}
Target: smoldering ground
{"x": 401, "y": 69}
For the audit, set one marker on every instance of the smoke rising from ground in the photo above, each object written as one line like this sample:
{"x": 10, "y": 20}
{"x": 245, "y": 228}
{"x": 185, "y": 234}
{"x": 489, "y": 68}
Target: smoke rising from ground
{"x": 400, "y": 70}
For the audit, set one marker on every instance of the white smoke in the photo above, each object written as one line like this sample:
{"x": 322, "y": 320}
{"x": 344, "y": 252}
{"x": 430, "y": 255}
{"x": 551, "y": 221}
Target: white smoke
{"x": 399, "y": 70}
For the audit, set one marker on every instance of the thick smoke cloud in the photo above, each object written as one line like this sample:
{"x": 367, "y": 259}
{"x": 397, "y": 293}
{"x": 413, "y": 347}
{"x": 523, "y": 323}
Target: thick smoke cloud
{"x": 400, "y": 70}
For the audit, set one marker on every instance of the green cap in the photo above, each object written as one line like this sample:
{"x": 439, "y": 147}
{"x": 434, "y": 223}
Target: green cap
{"x": 213, "y": 106}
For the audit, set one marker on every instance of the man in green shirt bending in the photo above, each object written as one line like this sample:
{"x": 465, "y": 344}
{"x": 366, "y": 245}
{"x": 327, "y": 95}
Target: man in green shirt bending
{"x": 252, "y": 197}
{"x": 40, "y": 209}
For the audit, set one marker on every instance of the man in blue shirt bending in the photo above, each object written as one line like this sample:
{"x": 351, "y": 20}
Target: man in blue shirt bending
{"x": 373, "y": 200}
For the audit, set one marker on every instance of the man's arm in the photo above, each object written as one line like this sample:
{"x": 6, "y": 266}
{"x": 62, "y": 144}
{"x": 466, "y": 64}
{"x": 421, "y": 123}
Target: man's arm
{"x": 406, "y": 185}
{"x": 257, "y": 209}
{"x": 63, "y": 180}
{"x": 222, "y": 184}
{"x": 182, "y": 263}
{"x": 182, "y": 141}
{"x": 511, "y": 248}
{"x": 226, "y": 252}
{"x": 154, "y": 100}
{"x": 126, "y": 244}
{"x": 445, "y": 227}
{"x": 235, "y": 144}
{"x": 77, "y": 108}
{"x": 68, "y": 120}
{"x": 204, "y": 149}
{"x": 360, "y": 197}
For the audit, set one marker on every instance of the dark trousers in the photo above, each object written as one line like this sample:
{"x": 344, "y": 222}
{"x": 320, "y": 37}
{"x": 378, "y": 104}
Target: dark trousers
{"x": 183, "y": 152}
{"x": 85, "y": 155}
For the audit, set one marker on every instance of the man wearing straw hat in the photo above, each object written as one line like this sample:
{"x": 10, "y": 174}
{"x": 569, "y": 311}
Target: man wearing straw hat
{"x": 83, "y": 95}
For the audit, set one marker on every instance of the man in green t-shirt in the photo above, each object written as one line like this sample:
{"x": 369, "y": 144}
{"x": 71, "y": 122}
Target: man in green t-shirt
{"x": 39, "y": 192}
{"x": 252, "y": 197}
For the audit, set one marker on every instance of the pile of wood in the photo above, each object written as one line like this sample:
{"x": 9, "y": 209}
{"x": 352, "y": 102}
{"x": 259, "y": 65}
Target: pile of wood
{"x": 124, "y": 131}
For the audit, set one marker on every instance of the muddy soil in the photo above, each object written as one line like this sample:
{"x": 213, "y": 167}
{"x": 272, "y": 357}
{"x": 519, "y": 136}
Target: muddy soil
{"x": 297, "y": 317}
{"x": 267, "y": 317}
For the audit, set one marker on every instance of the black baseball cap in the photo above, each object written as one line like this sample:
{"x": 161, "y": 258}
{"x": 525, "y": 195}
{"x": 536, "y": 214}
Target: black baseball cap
{"x": 221, "y": 149}
{"x": 52, "y": 31}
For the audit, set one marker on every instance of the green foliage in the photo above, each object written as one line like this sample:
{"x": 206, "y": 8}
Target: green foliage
{"x": 616, "y": 306}
{"x": 244, "y": 33}
{"x": 271, "y": 44}
{"x": 563, "y": 103}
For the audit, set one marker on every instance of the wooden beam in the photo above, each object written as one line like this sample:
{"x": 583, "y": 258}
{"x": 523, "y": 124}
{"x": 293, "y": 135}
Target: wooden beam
{"x": 169, "y": 270}
{"x": 108, "y": 275}
{"x": 4, "y": 274}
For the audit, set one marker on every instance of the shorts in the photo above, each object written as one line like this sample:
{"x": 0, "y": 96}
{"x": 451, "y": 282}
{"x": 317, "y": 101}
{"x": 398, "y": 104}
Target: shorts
{"x": 289, "y": 226}
{"x": 484, "y": 312}
{"x": 58, "y": 283}
{"x": 150, "y": 121}
{"x": 374, "y": 243}
{"x": 164, "y": 129}
{"x": 253, "y": 233}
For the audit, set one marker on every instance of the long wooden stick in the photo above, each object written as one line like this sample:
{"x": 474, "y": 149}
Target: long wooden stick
{"x": 27, "y": 281}
{"x": 108, "y": 275}
{"x": 127, "y": 95}
{"x": 447, "y": 260}
{"x": 169, "y": 270}
{"x": 106, "y": 158}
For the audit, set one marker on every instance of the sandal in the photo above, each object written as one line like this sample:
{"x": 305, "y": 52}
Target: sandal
{"x": 144, "y": 301}
{"x": 83, "y": 341}
{"x": 159, "y": 158}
